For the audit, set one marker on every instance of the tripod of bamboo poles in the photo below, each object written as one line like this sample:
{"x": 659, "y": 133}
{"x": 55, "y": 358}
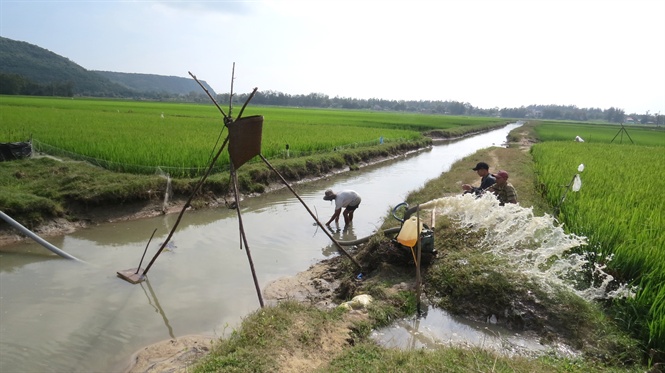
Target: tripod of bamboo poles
{"x": 622, "y": 130}
{"x": 135, "y": 277}
{"x": 278, "y": 175}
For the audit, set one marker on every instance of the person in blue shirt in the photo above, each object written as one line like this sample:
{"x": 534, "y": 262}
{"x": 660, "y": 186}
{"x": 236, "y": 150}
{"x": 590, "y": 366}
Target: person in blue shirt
{"x": 486, "y": 179}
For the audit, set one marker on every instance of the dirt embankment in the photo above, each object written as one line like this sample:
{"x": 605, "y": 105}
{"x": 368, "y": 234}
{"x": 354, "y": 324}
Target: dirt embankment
{"x": 91, "y": 217}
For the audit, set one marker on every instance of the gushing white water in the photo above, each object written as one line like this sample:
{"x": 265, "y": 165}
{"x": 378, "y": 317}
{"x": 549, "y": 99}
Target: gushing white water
{"x": 535, "y": 245}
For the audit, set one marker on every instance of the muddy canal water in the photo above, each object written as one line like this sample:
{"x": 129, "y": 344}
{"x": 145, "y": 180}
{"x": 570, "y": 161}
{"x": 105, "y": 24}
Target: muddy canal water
{"x": 59, "y": 315}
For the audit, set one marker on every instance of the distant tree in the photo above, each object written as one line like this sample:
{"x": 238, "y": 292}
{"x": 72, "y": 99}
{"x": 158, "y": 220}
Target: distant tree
{"x": 551, "y": 113}
{"x": 399, "y": 106}
{"x": 457, "y": 108}
{"x": 615, "y": 115}
{"x": 520, "y": 112}
{"x": 11, "y": 84}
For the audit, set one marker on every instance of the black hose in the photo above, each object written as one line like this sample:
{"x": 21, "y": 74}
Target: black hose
{"x": 365, "y": 239}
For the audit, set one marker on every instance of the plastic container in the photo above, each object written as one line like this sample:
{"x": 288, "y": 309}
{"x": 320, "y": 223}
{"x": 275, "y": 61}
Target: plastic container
{"x": 408, "y": 234}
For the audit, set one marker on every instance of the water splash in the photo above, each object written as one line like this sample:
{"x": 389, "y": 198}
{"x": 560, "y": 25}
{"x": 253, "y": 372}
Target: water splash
{"x": 535, "y": 245}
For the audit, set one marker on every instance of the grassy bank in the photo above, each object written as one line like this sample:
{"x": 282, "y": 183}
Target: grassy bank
{"x": 33, "y": 191}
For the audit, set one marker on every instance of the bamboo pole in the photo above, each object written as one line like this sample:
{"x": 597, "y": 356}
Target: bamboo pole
{"x": 418, "y": 278}
{"x": 226, "y": 117}
{"x": 182, "y": 212}
{"x": 234, "y": 174}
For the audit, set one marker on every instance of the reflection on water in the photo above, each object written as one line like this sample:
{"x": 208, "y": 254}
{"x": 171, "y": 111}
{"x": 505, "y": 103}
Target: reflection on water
{"x": 339, "y": 233}
{"x": 154, "y": 302}
{"x": 438, "y": 328}
{"x": 60, "y": 315}
{"x": 14, "y": 261}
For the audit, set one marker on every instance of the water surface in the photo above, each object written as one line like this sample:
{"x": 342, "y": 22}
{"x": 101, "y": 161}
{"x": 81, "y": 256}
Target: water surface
{"x": 60, "y": 315}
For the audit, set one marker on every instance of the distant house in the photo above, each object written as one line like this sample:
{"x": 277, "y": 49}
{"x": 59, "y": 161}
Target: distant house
{"x": 534, "y": 114}
{"x": 630, "y": 120}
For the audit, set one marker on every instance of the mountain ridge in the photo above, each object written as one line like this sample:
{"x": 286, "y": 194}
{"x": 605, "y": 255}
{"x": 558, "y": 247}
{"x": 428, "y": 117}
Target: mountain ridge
{"x": 31, "y": 68}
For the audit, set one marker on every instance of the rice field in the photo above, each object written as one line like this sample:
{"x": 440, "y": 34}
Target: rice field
{"x": 619, "y": 208}
{"x": 601, "y": 133}
{"x": 141, "y": 137}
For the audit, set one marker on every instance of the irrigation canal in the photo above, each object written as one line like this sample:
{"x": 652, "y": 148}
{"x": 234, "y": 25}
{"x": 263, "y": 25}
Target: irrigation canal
{"x": 60, "y": 315}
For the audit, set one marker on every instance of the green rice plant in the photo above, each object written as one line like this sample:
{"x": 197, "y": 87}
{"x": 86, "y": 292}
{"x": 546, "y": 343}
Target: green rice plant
{"x": 619, "y": 208}
{"x": 142, "y": 137}
{"x": 364, "y": 118}
{"x": 601, "y": 133}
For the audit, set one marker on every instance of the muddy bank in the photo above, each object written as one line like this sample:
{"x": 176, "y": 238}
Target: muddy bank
{"x": 91, "y": 217}
{"x": 173, "y": 355}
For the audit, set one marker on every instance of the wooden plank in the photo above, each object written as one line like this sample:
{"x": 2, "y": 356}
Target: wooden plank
{"x": 131, "y": 275}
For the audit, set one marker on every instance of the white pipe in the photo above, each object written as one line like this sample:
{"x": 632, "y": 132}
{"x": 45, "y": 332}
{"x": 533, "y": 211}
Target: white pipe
{"x": 35, "y": 237}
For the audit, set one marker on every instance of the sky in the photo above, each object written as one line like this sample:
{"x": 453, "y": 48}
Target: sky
{"x": 488, "y": 53}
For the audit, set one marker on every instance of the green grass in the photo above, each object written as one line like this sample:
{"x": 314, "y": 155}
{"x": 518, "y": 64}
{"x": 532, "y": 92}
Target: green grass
{"x": 269, "y": 335}
{"x": 37, "y": 189}
{"x": 34, "y": 190}
{"x": 368, "y": 357}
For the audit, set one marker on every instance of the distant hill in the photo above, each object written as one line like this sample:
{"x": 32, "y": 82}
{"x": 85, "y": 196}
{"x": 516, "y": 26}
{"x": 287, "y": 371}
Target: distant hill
{"x": 155, "y": 83}
{"x": 28, "y": 69}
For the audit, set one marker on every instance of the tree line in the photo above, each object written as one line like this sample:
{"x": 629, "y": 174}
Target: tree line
{"x": 13, "y": 84}
{"x": 550, "y": 112}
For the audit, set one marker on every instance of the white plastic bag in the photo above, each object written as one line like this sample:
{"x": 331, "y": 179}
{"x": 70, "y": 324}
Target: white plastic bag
{"x": 577, "y": 183}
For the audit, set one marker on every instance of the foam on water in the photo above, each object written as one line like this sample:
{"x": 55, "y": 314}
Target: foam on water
{"x": 536, "y": 245}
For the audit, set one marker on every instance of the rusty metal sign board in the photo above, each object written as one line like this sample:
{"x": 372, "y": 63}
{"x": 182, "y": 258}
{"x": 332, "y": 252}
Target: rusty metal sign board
{"x": 245, "y": 139}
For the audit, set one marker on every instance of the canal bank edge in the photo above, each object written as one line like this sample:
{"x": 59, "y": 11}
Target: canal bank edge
{"x": 80, "y": 216}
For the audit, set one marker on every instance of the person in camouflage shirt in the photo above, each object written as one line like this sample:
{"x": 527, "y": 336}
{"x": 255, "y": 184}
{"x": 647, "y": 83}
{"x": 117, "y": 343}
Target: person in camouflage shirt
{"x": 502, "y": 189}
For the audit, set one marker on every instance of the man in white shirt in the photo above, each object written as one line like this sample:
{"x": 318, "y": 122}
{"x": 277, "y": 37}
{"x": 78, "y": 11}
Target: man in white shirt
{"x": 347, "y": 199}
